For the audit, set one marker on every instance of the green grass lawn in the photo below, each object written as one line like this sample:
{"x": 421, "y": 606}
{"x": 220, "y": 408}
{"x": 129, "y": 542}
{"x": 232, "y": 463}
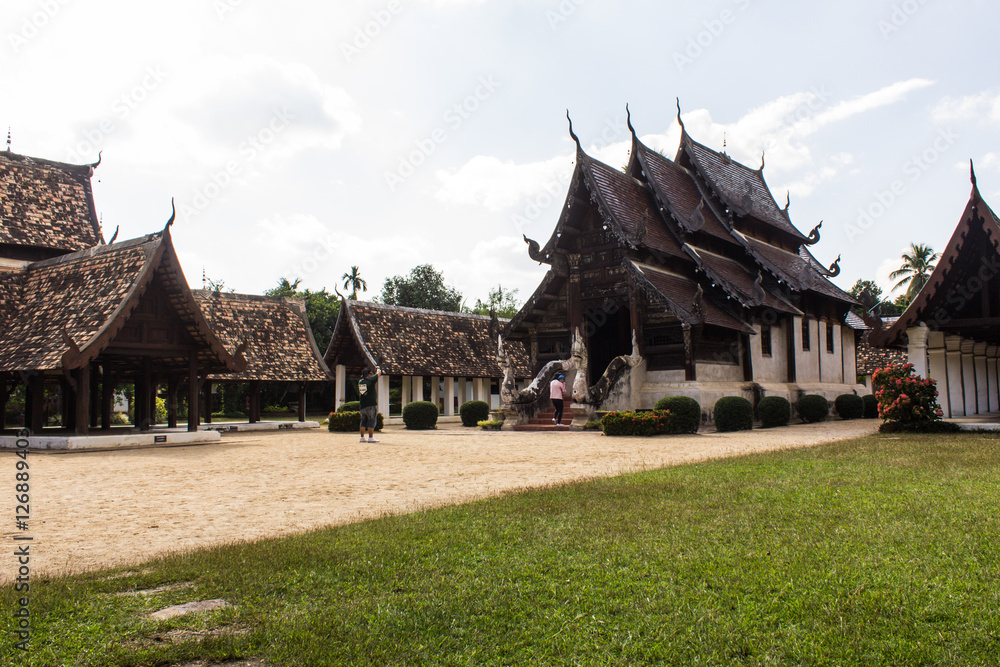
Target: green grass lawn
{"x": 878, "y": 551}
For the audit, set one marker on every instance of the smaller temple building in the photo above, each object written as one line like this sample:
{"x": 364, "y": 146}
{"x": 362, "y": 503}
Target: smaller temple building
{"x": 951, "y": 330}
{"x": 430, "y": 355}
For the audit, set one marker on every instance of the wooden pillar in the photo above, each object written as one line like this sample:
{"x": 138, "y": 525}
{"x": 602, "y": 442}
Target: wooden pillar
{"x": 173, "y": 385}
{"x": 193, "y": 393}
{"x": 82, "y": 400}
{"x": 34, "y": 406}
{"x": 95, "y": 398}
{"x": 67, "y": 403}
{"x": 5, "y": 391}
{"x": 208, "y": 401}
{"x": 574, "y": 302}
{"x": 254, "y": 402}
{"x": 302, "y": 401}
{"x": 108, "y": 385}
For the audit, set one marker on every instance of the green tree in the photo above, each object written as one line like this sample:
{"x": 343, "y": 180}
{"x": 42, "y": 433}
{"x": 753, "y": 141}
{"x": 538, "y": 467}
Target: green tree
{"x": 423, "y": 288}
{"x": 917, "y": 266}
{"x": 354, "y": 282}
{"x": 504, "y": 302}
{"x": 868, "y": 293}
{"x": 322, "y": 309}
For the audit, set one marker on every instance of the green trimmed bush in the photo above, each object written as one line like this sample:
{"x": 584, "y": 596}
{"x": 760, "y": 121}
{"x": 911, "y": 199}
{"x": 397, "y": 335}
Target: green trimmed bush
{"x": 350, "y": 406}
{"x": 638, "y": 423}
{"x": 733, "y": 413}
{"x": 686, "y": 412}
{"x": 774, "y": 411}
{"x": 850, "y": 406}
{"x": 813, "y": 408}
{"x": 473, "y": 412}
{"x": 344, "y": 422}
{"x": 871, "y": 406}
{"x": 420, "y": 415}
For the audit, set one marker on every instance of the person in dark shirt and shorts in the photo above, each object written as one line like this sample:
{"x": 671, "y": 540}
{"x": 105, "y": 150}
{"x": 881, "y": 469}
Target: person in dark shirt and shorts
{"x": 368, "y": 391}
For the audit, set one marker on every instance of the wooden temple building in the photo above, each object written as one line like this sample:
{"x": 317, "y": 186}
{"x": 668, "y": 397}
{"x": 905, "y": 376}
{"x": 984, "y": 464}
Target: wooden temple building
{"x": 442, "y": 357}
{"x": 951, "y": 330}
{"x": 691, "y": 260}
{"x": 83, "y": 316}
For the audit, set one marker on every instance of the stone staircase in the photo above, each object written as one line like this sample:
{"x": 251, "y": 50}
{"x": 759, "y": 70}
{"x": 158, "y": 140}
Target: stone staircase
{"x": 543, "y": 421}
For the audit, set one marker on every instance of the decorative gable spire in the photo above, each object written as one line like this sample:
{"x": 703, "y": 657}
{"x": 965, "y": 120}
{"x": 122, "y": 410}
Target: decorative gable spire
{"x": 972, "y": 167}
{"x": 572, "y": 133}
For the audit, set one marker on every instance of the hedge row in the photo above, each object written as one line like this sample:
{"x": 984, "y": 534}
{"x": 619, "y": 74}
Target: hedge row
{"x": 342, "y": 422}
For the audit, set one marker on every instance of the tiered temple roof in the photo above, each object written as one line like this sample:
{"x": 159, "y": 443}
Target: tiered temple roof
{"x": 701, "y": 235}
{"x": 417, "y": 342}
{"x": 275, "y": 332}
{"x": 62, "y": 313}
{"x": 46, "y": 207}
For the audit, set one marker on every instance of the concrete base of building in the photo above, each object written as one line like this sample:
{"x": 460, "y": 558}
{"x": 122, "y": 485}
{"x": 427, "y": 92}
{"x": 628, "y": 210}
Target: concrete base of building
{"x": 61, "y": 443}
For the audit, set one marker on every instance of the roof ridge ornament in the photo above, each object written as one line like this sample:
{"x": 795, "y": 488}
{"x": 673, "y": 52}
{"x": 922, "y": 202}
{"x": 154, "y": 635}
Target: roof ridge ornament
{"x": 813, "y": 237}
{"x": 757, "y": 294}
{"x": 534, "y": 250}
{"x": 697, "y": 220}
{"x": 834, "y": 269}
{"x": 572, "y": 133}
{"x": 972, "y": 168}
{"x": 680, "y": 121}
{"x": 115, "y": 235}
{"x": 788, "y": 201}
{"x": 628, "y": 120}
{"x": 173, "y": 213}
{"x": 761, "y": 170}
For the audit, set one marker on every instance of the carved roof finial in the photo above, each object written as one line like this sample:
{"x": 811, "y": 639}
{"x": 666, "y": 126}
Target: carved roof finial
{"x": 628, "y": 120}
{"x": 813, "y": 237}
{"x": 680, "y": 121}
{"x": 115, "y": 235}
{"x": 834, "y": 269}
{"x": 761, "y": 161}
{"x": 572, "y": 133}
{"x": 972, "y": 168}
{"x": 173, "y": 213}
{"x": 788, "y": 200}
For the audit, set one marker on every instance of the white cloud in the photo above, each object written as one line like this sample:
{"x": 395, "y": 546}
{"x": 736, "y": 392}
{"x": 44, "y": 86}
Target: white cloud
{"x": 985, "y": 105}
{"x": 501, "y": 184}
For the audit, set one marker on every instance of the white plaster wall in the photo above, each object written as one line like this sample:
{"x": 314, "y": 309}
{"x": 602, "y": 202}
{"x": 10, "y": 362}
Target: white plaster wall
{"x": 775, "y": 367}
{"x": 807, "y": 362}
{"x": 833, "y": 363}
{"x": 719, "y": 372}
{"x": 850, "y": 357}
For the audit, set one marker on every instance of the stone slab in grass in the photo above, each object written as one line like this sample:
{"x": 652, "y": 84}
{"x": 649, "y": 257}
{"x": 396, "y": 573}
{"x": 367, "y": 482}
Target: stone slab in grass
{"x": 188, "y": 608}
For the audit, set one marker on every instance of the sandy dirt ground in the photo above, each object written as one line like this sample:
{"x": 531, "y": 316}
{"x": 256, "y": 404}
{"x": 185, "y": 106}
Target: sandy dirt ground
{"x": 96, "y": 509}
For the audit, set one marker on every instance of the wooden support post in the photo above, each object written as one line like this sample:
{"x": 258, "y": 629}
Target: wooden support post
{"x": 67, "y": 402}
{"x": 193, "y": 393}
{"x": 81, "y": 395}
{"x": 173, "y": 385}
{"x": 747, "y": 358}
{"x": 5, "y": 391}
{"x": 34, "y": 408}
{"x": 690, "y": 366}
{"x": 108, "y": 385}
{"x": 95, "y": 397}
{"x": 791, "y": 348}
{"x": 208, "y": 401}
{"x": 302, "y": 401}
{"x": 255, "y": 402}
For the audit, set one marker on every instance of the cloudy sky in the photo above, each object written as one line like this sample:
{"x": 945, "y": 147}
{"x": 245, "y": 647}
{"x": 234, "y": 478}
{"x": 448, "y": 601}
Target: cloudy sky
{"x": 302, "y": 137}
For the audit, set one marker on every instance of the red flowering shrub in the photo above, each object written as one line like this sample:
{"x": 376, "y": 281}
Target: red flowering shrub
{"x": 904, "y": 396}
{"x": 656, "y": 422}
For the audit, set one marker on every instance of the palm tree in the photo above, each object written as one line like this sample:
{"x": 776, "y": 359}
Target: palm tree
{"x": 354, "y": 282}
{"x": 917, "y": 266}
